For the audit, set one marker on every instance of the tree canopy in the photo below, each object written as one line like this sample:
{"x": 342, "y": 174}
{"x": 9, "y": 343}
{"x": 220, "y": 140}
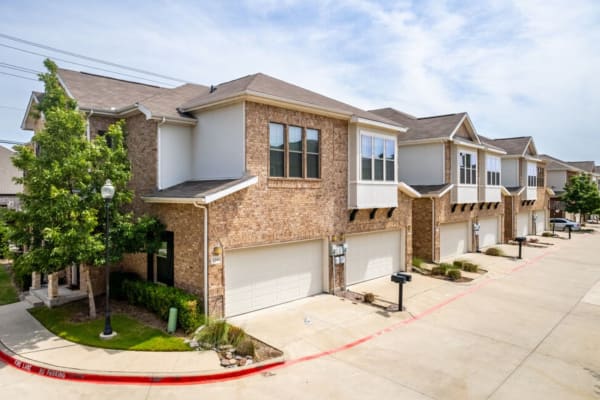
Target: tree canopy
{"x": 581, "y": 195}
{"x": 61, "y": 220}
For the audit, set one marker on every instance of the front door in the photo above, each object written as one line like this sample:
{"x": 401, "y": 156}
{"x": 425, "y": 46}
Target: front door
{"x": 164, "y": 261}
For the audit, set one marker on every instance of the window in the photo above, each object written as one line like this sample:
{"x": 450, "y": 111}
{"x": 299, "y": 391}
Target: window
{"x": 540, "y": 177}
{"x": 531, "y": 175}
{"x": 293, "y": 151}
{"x": 468, "y": 168}
{"x": 377, "y": 158}
{"x": 108, "y": 138}
{"x": 492, "y": 167}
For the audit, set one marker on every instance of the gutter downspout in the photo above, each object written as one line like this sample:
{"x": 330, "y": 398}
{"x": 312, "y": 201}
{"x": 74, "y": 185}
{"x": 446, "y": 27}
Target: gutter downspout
{"x": 88, "y": 131}
{"x": 205, "y": 256}
{"x": 158, "y": 152}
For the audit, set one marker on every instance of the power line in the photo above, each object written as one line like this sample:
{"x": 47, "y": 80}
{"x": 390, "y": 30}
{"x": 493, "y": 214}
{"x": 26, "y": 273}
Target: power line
{"x": 18, "y": 76}
{"x": 97, "y": 60}
{"x": 10, "y": 142}
{"x": 83, "y": 65}
{"x": 19, "y": 68}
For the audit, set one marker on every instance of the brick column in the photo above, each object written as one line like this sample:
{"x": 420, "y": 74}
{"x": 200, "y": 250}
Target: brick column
{"x": 53, "y": 286}
{"x": 36, "y": 280}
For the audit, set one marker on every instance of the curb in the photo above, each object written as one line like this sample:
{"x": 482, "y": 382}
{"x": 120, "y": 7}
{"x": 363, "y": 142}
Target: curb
{"x": 150, "y": 379}
{"x": 162, "y": 379}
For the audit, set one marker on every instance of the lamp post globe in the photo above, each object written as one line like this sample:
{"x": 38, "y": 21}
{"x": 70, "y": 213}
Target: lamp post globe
{"x": 107, "y": 191}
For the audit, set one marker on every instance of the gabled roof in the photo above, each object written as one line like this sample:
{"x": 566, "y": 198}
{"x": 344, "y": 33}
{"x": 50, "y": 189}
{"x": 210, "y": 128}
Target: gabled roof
{"x": 267, "y": 87}
{"x": 515, "y": 145}
{"x": 587, "y": 166}
{"x": 554, "y": 164}
{"x": 436, "y": 127}
{"x": 105, "y": 94}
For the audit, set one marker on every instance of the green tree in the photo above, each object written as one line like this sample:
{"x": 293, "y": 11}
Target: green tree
{"x": 581, "y": 195}
{"x": 61, "y": 220}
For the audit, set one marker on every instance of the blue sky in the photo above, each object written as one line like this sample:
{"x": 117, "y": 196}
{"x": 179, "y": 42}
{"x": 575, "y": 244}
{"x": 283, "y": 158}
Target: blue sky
{"x": 518, "y": 67}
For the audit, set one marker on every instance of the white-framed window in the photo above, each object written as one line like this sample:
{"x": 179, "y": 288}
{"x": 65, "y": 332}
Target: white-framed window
{"x": 467, "y": 168}
{"x": 492, "y": 170}
{"x": 377, "y": 158}
{"x": 531, "y": 175}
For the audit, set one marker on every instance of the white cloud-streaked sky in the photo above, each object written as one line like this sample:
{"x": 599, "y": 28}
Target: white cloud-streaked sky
{"x": 522, "y": 67}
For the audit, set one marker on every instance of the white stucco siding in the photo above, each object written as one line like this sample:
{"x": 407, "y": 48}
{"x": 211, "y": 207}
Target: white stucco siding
{"x": 510, "y": 173}
{"x": 218, "y": 143}
{"x": 421, "y": 165}
{"x": 174, "y": 155}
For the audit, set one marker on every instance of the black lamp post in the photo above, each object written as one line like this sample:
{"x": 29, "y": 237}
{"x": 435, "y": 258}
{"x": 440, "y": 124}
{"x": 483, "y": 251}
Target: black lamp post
{"x": 107, "y": 191}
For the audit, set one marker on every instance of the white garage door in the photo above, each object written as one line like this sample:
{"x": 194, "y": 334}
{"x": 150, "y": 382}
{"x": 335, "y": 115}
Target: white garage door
{"x": 373, "y": 255}
{"x": 540, "y": 222}
{"x": 453, "y": 239}
{"x": 488, "y": 231}
{"x": 261, "y": 277}
{"x": 523, "y": 224}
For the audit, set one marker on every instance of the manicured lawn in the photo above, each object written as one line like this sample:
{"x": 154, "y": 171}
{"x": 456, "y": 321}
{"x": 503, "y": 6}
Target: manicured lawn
{"x": 131, "y": 334}
{"x": 8, "y": 294}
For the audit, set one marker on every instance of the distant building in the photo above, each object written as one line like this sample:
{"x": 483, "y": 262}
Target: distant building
{"x": 8, "y": 188}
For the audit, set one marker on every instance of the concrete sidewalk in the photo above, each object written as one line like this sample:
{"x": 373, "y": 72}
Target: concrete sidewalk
{"x": 303, "y": 329}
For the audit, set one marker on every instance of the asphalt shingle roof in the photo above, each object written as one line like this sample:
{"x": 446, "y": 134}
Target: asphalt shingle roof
{"x": 441, "y": 126}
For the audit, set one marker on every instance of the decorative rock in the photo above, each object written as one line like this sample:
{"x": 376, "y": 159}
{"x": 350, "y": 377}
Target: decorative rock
{"x": 228, "y": 355}
{"x": 225, "y": 347}
{"x": 241, "y": 362}
{"x": 206, "y": 346}
{"x": 225, "y": 363}
{"x": 193, "y": 344}
{"x": 232, "y": 362}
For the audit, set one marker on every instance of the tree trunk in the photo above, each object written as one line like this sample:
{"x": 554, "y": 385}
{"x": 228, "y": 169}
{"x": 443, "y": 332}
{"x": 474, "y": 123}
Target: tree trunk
{"x": 90, "y": 291}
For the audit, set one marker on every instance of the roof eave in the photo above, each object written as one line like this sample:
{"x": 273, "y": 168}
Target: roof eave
{"x": 25, "y": 122}
{"x": 408, "y": 190}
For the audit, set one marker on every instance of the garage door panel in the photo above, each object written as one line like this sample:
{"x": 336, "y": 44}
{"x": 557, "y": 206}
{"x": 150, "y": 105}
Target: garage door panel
{"x": 453, "y": 239}
{"x": 373, "y": 255}
{"x": 523, "y": 224}
{"x": 265, "y": 276}
{"x": 540, "y": 222}
{"x": 488, "y": 232}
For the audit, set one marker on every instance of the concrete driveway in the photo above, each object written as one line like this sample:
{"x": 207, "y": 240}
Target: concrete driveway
{"x": 530, "y": 330}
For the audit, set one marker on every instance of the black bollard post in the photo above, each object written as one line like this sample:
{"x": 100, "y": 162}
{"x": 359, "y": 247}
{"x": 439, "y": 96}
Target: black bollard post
{"x": 569, "y": 227}
{"x": 553, "y": 228}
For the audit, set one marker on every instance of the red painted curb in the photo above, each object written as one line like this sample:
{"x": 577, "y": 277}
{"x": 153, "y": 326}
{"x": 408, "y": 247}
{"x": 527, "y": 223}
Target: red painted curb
{"x": 236, "y": 373}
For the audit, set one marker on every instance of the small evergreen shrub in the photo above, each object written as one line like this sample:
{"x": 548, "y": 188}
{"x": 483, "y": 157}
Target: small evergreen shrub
{"x": 547, "y": 234}
{"x": 246, "y": 348}
{"x": 494, "y": 251}
{"x": 441, "y": 269}
{"x": 219, "y": 333}
{"x": 159, "y": 298}
{"x": 454, "y": 274}
{"x": 470, "y": 267}
{"x": 459, "y": 263}
{"x": 369, "y": 298}
{"x": 417, "y": 262}
{"x": 116, "y": 283}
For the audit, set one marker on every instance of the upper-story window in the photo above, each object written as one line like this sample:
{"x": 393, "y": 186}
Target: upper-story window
{"x": 531, "y": 175}
{"x": 377, "y": 158}
{"x": 540, "y": 177}
{"x": 293, "y": 151}
{"x": 467, "y": 168}
{"x": 492, "y": 167}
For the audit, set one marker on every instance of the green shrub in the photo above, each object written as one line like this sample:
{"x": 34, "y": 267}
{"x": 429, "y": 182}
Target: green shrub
{"x": 159, "y": 298}
{"x": 116, "y": 283}
{"x": 21, "y": 274}
{"x": 218, "y": 333}
{"x": 470, "y": 267}
{"x": 417, "y": 262}
{"x": 235, "y": 335}
{"x": 441, "y": 269}
{"x": 246, "y": 348}
{"x": 459, "y": 263}
{"x": 494, "y": 251}
{"x": 547, "y": 234}
{"x": 454, "y": 274}
{"x": 369, "y": 297}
